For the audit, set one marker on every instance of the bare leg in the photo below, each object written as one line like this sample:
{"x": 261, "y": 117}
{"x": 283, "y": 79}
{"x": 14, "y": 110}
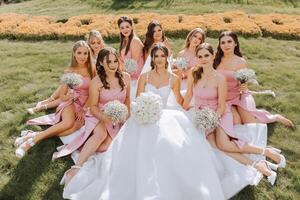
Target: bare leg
{"x": 261, "y": 167}
{"x": 76, "y": 126}
{"x": 68, "y": 119}
{"x": 246, "y": 116}
{"x": 236, "y": 116}
{"x": 225, "y": 144}
{"x": 105, "y": 144}
{"x": 89, "y": 148}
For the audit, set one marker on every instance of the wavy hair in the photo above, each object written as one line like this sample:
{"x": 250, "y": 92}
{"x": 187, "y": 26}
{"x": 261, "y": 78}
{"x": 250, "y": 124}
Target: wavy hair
{"x": 220, "y": 53}
{"x": 197, "y": 72}
{"x": 104, "y": 54}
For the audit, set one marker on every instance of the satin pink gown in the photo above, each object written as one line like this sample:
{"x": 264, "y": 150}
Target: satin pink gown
{"x": 140, "y": 63}
{"x": 81, "y": 92}
{"x": 208, "y": 97}
{"x": 106, "y": 95}
{"x": 246, "y": 101}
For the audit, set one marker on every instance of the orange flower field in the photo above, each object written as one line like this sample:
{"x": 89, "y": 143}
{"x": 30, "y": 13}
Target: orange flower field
{"x": 20, "y": 26}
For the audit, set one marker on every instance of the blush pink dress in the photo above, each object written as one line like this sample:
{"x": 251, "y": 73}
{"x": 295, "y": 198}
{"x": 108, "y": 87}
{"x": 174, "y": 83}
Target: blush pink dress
{"x": 81, "y": 93}
{"x": 106, "y": 95}
{"x": 208, "y": 97}
{"x": 246, "y": 101}
{"x": 140, "y": 63}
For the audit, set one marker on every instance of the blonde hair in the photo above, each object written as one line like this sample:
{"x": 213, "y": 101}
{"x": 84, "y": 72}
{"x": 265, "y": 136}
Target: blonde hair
{"x": 97, "y": 34}
{"x": 74, "y": 63}
{"x": 191, "y": 34}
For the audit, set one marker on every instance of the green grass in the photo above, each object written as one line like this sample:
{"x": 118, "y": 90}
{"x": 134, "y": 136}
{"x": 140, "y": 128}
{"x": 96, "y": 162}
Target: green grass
{"x": 65, "y": 8}
{"x": 30, "y": 72}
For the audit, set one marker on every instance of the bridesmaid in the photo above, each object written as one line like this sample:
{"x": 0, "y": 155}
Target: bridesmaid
{"x": 110, "y": 84}
{"x": 209, "y": 89}
{"x": 131, "y": 47}
{"x": 70, "y": 112}
{"x": 154, "y": 35}
{"x": 193, "y": 40}
{"x": 229, "y": 60}
{"x": 96, "y": 43}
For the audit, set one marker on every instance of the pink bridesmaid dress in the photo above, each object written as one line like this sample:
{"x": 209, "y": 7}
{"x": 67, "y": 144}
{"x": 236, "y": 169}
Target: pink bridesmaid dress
{"x": 106, "y": 95}
{"x": 246, "y": 101}
{"x": 81, "y": 93}
{"x": 140, "y": 63}
{"x": 192, "y": 60}
{"x": 208, "y": 97}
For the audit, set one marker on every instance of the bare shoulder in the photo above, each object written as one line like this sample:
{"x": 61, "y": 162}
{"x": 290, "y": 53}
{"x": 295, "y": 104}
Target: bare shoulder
{"x": 241, "y": 62}
{"x": 126, "y": 77}
{"x": 220, "y": 78}
{"x": 181, "y": 53}
{"x": 136, "y": 42}
{"x": 96, "y": 82}
{"x": 68, "y": 70}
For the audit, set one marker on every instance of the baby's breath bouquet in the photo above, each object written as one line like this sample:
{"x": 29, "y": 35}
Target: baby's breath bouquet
{"x": 205, "y": 119}
{"x": 147, "y": 108}
{"x": 245, "y": 76}
{"x": 181, "y": 63}
{"x": 116, "y": 110}
{"x": 71, "y": 79}
{"x": 130, "y": 65}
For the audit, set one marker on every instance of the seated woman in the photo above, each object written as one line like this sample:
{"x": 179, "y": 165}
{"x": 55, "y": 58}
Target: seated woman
{"x": 110, "y": 84}
{"x": 167, "y": 159}
{"x": 96, "y": 43}
{"x": 69, "y": 114}
{"x": 228, "y": 60}
{"x": 208, "y": 88}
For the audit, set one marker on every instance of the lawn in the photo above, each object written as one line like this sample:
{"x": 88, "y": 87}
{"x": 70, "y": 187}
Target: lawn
{"x": 30, "y": 72}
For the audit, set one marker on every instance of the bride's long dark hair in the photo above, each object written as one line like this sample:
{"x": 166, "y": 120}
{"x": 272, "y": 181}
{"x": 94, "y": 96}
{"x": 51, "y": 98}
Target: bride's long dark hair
{"x": 164, "y": 49}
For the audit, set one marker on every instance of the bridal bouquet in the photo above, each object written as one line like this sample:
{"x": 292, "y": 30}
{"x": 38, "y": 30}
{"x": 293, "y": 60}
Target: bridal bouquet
{"x": 181, "y": 63}
{"x": 71, "y": 79}
{"x": 245, "y": 76}
{"x": 116, "y": 110}
{"x": 130, "y": 65}
{"x": 206, "y": 119}
{"x": 147, "y": 108}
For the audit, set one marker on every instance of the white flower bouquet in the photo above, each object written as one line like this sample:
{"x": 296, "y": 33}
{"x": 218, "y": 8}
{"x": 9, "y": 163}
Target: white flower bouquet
{"x": 130, "y": 65}
{"x": 147, "y": 108}
{"x": 205, "y": 119}
{"x": 181, "y": 63}
{"x": 71, "y": 79}
{"x": 245, "y": 76}
{"x": 116, "y": 110}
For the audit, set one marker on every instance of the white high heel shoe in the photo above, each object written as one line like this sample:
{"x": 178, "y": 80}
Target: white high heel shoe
{"x": 32, "y": 111}
{"x": 22, "y": 139}
{"x": 66, "y": 179}
{"x": 282, "y": 162}
{"x": 20, "y": 152}
{"x": 273, "y": 175}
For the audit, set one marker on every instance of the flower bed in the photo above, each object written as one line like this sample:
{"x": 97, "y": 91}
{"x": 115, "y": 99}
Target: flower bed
{"x": 18, "y": 26}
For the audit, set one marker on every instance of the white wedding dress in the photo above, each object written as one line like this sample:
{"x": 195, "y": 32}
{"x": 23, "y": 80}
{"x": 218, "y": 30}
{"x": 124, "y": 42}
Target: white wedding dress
{"x": 167, "y": 160}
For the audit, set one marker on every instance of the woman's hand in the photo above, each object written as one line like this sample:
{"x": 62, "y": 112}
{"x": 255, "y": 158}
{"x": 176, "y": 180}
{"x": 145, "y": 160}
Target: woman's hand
{"x": 243, "y": 87}
{"x": 80, "y": 115}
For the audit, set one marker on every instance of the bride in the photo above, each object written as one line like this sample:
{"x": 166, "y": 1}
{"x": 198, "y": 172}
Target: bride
{"x": 165, "y": 160}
